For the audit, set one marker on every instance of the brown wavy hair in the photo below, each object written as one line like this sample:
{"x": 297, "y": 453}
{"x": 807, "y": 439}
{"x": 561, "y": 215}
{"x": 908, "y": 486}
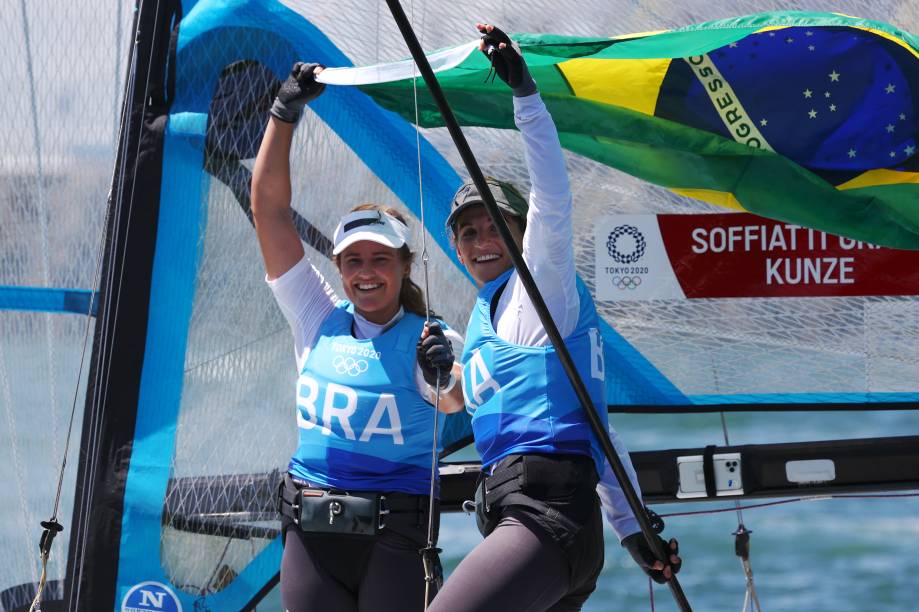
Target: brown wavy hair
{"x": 411, "y": 297}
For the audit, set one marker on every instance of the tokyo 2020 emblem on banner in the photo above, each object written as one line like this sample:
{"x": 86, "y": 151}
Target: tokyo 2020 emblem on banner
{"x": 647, "y": 257}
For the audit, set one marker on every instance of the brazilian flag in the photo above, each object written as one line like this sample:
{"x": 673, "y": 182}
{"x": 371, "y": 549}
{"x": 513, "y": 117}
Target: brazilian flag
{"x": 808, "y": 118}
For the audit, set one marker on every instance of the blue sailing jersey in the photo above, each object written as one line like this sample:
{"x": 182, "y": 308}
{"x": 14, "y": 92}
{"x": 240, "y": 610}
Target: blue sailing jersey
{"x": 520, "y": 399}
{"x": 363, "y": 425}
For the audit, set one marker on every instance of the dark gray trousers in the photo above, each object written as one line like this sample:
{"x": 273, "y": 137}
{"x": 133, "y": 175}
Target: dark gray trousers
{"x": 518, "y": 568}
{"x": 334, "y": 574}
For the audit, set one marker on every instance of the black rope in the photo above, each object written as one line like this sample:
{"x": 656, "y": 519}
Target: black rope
{"x": 533, "y": 292}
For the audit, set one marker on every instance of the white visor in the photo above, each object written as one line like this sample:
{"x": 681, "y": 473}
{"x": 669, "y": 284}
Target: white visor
{"x": 373, "y": 225}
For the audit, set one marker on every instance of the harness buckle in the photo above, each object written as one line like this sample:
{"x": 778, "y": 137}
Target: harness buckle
{"x": 382, "y": 512}
{"x": 334, "y": 510}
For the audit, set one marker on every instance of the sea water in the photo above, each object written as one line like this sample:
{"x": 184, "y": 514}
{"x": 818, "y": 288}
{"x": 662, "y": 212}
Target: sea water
{"x": 826, "y": 555}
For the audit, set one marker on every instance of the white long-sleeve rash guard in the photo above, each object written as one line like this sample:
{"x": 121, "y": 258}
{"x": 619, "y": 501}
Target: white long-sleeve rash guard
{"x": 549, "y": 254}
{"x": 306, "y": 299}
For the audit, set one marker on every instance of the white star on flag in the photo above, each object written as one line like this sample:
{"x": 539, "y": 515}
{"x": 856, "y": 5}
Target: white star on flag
{"x": 834, "y": 76}
{"x": 851, "y": 152}
{"x": 909, "y": 150}
{"x": 832, "y": 108}
{"x": 890, "y": 88}
{"x": 763, "y": 122}
{"x": 889, "y": 128}
{"x": 807, "y": 93}
{"x": 812, "y": 114}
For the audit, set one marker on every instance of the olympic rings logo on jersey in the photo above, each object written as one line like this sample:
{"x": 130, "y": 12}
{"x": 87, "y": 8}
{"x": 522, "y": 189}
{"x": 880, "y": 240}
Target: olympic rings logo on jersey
{"x": 626, "y": 282}
{"x": 349, "y": 365}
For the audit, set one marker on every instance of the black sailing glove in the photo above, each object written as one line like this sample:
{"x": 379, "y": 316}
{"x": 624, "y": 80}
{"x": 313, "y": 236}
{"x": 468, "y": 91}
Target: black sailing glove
{"x": 299, "y": 88}
{"x": 435, "y": 356}
{"x": 507, "y": 61}
{"x": 644, "y": 557}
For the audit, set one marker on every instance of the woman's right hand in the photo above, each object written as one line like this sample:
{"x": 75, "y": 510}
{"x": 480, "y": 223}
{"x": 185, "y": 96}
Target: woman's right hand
{"x": 300, "y": 88}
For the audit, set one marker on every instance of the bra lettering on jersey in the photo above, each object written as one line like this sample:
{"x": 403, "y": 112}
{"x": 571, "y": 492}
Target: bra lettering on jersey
{"x": 307, "y": 393}
{"x": 386, "y": 409}
{"x": 386, "y": 405}
{"x": 330, "y": 411}
{"x": 597, "y": 367}
{"x": 477, "y": 380}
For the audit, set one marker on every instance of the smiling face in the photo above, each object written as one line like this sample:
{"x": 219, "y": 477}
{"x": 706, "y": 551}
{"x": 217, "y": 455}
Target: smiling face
{"x": 372, "y": 275}
{"x": 479, "y": 246}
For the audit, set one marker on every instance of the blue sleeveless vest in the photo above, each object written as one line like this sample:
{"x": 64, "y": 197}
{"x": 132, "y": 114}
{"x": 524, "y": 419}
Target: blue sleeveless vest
{"x": 363, "y": 425}
{"x": 520, "y": 399}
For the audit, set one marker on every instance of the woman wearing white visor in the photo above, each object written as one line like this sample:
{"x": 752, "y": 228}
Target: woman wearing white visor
{"x": 368, "y": 368}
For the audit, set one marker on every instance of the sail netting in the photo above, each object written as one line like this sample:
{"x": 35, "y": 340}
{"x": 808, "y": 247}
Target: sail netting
{"x": 215, "y": 423}
{"x": 62, "y": 76}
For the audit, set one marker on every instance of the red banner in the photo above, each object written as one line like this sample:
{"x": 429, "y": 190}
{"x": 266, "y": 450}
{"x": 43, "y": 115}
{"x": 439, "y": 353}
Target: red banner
{"x": 742, "y": 255}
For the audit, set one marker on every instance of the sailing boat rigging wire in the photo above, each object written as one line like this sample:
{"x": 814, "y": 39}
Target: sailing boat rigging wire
{"x": 429, "y": 551}
{"x": 533, "y": 292}
{"x": 742, "y": 542}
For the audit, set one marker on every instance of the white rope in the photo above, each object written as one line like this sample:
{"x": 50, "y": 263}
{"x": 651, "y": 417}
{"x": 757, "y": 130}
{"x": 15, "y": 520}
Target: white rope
{"x": 750, "y": 594}
{"x": 36, "y": 603}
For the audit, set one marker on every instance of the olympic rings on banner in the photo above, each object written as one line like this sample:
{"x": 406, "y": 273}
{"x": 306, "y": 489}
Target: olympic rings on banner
{"x": 349, "y": 365}
{"x": 626, "y": 282}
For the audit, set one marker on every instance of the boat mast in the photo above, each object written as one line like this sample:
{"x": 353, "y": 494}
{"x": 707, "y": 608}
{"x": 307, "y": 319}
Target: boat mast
{"x": 121, "y": 330}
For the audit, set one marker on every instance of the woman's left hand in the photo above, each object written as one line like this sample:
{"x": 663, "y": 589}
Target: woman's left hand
{"x": 646, "y": 560}
{"x": 506, "y": 59}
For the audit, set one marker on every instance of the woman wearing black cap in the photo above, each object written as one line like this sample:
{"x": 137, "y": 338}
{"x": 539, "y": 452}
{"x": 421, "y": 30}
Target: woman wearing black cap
{"x": 537, "y": 505}
{"x": 368, "y": 367}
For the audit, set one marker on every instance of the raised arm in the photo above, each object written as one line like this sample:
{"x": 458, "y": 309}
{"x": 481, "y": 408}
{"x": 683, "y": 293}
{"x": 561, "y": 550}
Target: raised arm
{"x": 280, "y": 245}
{"x": 547, "y": 241}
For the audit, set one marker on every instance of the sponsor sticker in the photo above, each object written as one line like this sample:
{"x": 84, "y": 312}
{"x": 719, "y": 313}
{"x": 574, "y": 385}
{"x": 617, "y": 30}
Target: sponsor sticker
{"x": 148, "y": 596}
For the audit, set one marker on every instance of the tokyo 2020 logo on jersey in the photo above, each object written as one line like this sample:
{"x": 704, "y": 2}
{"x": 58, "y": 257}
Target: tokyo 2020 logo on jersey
{"x": 618, "y": 248}
{"x": 151, "y": 596}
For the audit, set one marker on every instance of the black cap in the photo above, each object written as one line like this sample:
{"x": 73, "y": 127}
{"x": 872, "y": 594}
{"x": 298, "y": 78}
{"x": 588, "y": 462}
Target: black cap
{"x": 506, "y": 196}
